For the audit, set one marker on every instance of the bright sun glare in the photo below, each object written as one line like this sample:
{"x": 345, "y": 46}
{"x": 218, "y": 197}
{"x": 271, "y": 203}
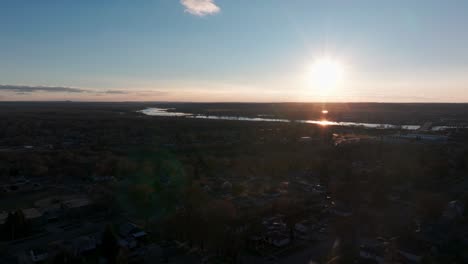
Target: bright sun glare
{"x": 326, "y": 74}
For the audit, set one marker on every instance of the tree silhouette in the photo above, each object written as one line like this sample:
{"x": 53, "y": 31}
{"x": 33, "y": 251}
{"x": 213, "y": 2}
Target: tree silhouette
{"x": 15, "y": 225}
{"x": 110, "y": 246}
{"x": 65, "y": 257}
{"x": 154, "y": 190}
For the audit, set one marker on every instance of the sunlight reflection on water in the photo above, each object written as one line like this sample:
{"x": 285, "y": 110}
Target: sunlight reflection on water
{"x": 165, "y": 112}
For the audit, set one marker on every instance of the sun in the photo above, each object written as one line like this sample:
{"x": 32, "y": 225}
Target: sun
{"x": 326, "y": 74}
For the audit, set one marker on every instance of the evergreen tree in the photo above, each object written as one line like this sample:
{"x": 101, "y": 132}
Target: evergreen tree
{"x": 15, "y": 226}
{"x": 110, "y": 247}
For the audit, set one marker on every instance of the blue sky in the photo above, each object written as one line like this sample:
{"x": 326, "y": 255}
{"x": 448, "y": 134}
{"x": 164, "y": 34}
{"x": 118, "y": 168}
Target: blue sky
{"x": 225, "y": 50}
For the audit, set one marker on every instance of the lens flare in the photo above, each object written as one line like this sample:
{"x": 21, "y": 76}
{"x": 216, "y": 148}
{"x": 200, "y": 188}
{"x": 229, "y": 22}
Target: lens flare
{"x": 325, "y": 75}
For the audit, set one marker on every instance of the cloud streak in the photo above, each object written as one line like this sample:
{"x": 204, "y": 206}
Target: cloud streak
{"x": 24, "y": 89}
{"x": 115, "y": 92}
{"x": 200, "y": 7}
{"x": 32, "y": 89}
{"x": 37, "y": 92}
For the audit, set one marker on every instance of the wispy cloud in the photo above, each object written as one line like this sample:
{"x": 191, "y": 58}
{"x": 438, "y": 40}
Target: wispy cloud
{"x": 115, "y": 92}
{"x": 25, "y": 89}
{"x": 37, "y": 92}
{"x": 200, "y": 7}
{"x": 32, "y": 89}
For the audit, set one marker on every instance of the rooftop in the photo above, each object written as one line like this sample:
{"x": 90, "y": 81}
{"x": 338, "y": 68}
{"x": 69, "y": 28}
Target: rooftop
{"x": 31, "y": 213}
{"x": 76, "y": 203}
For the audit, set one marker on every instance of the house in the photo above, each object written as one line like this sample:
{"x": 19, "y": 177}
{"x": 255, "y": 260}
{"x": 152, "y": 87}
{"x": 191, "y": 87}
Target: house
{"x": 307, "y": 139}
{"x": 34, "y": 216}
{"x": 77, "y": 207}
{"x": 372, "y": 253}
{"x": 304, "y": 139}
{"x": 84, "y": 244}
{"x": 128, "y": 243}
{"x": 411, "y": 251}
{"x": 274, "y": 223}
{"x": 243, "y": 203}
{"x": 256, "y": 243}
{"x": 304, "y": 229}
{"x": 399, "y": 138}
{"x": 52, "y": 213}
{"x": 38, "y": 255}
{"x": 454, "y": 210}
{"x": 154, "y": 253}
{"x": 226, "y": 186}
{"x": 425, "y": 137}
{"x": 372, "y": 249}
{"x": 131, "y": 235}
{"x": 18, "y": 184}
{"x": 277, "y": 239}
{"x": 77, "y": 203}
{"x": 3, "y": 217}
{"x": 410, "y": 257}
{"x": 51, "y": 208}
{"x": 340, "y": 210}
{"x": 128, "y": 229}
{"x": 277, "y": 234}
{"x": 103, "y": 178}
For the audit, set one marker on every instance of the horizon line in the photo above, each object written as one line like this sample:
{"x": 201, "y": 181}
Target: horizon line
{"x": 230, "y": 102}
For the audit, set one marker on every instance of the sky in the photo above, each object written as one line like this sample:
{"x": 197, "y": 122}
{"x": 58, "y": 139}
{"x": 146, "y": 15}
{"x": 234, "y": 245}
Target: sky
{"x": 233, "y": 50}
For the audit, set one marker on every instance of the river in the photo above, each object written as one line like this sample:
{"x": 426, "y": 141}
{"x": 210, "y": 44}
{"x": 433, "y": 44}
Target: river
{"x": 165, "y": 112}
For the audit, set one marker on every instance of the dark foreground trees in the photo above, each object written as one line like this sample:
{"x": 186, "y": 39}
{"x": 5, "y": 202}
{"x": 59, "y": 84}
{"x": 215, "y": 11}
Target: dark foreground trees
{"x": 16, "y": 226}
{"x": 110, "y": 247}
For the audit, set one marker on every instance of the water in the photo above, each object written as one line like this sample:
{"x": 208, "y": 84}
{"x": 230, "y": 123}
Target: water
{"x": 442, "y": 128}
{"x": 164, "y": 112}
{"x": 252, "y": 119}
{"x": 161, "y": 112}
